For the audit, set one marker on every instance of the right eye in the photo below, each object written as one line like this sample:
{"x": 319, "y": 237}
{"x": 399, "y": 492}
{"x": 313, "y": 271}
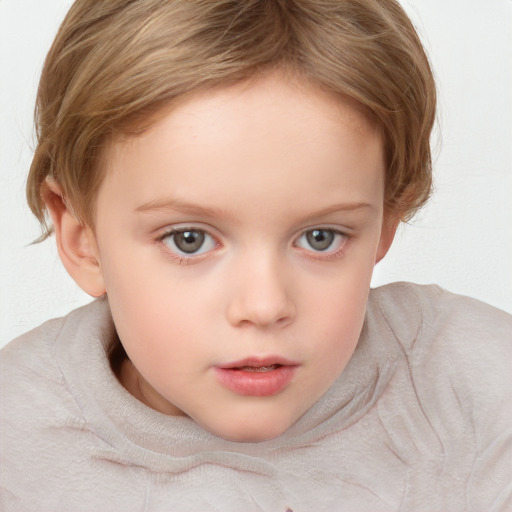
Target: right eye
{"x": 321, "y": 240}
{"x": 189, "y": 241}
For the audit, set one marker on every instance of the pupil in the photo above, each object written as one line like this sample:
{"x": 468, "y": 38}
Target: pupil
{"x": 320, "y": 239}
{"x": 189, "y": 241}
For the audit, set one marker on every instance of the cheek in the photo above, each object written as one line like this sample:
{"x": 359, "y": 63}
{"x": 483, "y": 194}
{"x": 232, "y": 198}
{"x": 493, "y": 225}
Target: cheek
{"x": 135, "y": 296}
{"x": 343, "y": 321}
{"x": 155, "y": 312}
{"x": 336, "y": 316}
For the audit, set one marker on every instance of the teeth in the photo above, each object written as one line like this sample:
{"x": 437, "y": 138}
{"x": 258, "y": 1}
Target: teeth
{"x": 259, "y": 368}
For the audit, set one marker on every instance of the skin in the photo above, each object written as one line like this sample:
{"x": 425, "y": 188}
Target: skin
{"x": 256, "y": 167}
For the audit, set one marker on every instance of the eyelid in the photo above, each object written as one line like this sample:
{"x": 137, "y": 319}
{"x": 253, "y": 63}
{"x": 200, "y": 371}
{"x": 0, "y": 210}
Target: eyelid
{"x": 182, "y": 257}
{"x": 327, "y": 254}
{"x": 161, "y": 233}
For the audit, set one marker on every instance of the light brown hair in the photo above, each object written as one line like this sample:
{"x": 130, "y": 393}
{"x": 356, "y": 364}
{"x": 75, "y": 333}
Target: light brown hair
{"x": 115, "y": 63}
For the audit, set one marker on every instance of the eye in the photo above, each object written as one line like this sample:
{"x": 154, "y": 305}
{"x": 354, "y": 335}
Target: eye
{"x": 321, "y": 240}
{"x": 189, "y": 242}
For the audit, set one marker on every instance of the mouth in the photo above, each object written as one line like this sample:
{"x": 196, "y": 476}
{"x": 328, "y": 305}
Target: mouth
{"x": 257, "y": 363}
{"x": 257, "y": 368}
{"x": 257, "y": 377}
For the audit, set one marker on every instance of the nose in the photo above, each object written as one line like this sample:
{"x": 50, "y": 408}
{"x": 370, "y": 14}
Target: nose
{"x": 261, "y": 295}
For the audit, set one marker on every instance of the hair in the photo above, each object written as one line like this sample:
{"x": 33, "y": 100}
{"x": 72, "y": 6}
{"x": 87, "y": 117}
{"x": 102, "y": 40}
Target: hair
{"x": 115, "y": 64}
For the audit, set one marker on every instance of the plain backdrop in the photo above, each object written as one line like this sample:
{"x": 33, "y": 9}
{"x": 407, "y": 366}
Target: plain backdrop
{"x": 461, "y": 241}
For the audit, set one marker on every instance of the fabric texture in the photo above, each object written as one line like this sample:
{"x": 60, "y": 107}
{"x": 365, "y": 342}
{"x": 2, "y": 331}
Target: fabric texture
{"x": 419, "y": 420}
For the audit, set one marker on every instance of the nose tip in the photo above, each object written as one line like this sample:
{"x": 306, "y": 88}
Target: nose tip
{"x": 262, "y": 315}
{"x": 263, "y": 300}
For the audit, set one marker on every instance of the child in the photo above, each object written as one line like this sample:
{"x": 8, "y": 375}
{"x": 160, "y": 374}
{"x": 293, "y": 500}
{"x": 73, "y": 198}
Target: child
{"x": 223, "y": 176}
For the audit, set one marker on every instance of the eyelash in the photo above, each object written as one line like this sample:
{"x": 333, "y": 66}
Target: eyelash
{"x": 328, "y": 255}
{"x": 184, "y": 258}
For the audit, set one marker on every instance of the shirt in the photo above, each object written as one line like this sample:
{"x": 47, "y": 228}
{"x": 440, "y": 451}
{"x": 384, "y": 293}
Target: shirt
{"x": 419, "y": 420}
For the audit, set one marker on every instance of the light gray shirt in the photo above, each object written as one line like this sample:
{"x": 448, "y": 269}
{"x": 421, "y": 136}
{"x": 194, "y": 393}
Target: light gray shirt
{"x": 419, "y": 420}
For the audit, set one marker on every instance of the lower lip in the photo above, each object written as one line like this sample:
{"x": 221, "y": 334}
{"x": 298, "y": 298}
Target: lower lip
{"x": 249, "y": 383}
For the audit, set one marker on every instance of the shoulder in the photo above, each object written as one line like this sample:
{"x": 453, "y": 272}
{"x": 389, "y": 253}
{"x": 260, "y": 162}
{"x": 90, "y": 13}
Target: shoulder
{"x": 455, "y": 356}
{"x": 41, "y": 417}
{"x": 27, "y": 360}
{"x": 455, "y": 347}
{"x": 34, "y": 355}
{"x": 31, "y": 381}
{"x": 31, "y": 365}
{"x": 430, "y": 314}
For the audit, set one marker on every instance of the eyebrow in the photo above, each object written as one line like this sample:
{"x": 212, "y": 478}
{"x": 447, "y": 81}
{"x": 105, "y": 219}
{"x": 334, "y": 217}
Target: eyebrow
{"x": 181, "y": 206}
{"x": 343, "y": 207}
{"x": 196, "y": 209}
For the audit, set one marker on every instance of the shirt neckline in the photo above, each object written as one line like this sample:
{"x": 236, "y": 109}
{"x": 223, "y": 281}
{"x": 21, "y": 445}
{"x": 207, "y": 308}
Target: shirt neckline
{"x": 136, "y": 434}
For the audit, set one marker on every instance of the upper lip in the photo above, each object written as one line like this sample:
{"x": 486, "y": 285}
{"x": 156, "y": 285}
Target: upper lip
{"x": 258, "y": 362}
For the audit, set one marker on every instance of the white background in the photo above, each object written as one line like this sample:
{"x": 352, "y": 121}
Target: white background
{"x": 462, "y": 240}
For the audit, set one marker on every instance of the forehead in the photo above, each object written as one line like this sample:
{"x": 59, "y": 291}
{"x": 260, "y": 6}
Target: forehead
{"x": 249, "y": 97}
{"x": 271, "y": 129}
{"x": 289, "y": 95}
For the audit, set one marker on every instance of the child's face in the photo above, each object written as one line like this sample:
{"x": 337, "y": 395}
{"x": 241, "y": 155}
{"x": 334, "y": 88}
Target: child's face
{"x": 237, "y": 239}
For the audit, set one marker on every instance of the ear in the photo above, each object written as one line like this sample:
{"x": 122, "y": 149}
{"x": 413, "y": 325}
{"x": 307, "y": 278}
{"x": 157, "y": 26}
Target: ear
{"x": 76, "y": 242}
{"x": 389, "y": 226}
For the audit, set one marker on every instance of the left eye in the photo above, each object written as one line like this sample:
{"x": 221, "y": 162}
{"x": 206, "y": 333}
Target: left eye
{"x": 321, "y": 240}
{"x": 189, "y": 242}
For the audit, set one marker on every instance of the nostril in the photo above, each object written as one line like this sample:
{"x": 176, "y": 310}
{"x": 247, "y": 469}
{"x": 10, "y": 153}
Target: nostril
{"x": 260, "y": 300}
{"x": 283, "y": 320}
